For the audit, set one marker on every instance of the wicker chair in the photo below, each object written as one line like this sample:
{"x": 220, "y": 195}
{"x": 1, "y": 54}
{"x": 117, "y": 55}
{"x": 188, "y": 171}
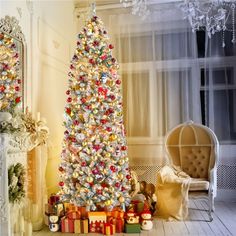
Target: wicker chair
{"x": 195, "y": 148}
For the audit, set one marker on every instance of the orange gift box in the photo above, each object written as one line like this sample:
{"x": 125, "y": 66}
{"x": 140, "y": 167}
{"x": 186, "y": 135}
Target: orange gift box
{"x": 67, "y": 225}
{"x": 108, "y": 229}
{"x": 73, "y": 215}
{"x": 81, "y": 226}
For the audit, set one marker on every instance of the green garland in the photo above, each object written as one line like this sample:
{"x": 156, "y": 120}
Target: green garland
{"x": 16, "y": 182}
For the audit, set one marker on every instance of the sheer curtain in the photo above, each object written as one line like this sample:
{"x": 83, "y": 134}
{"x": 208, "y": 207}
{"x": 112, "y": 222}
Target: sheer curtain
{"x": 156, "y": 57}
{"x": 218, "y": 83}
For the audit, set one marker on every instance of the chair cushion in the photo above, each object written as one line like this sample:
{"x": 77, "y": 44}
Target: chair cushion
{"x": 195, "y": 161}
{"x": 198, "y": 184}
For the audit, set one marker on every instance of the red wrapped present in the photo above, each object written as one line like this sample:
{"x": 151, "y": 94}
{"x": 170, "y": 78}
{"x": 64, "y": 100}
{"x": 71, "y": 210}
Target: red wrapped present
{"x": 83, "y": 212}
{"x": 111, "y": 220}
{"x": 73, "y": 215}
{"x": 53, "y": 199}
{"x": 96, "y": 221}
{"x": 120, "y": 225}
{"x": 81, "y": 226}
{"x": 67, "y": 225}
{"x": 108, "y": 229}
{"x": 96, "y": 226}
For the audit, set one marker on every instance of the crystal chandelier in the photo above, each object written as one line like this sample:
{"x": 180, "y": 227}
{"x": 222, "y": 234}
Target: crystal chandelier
{"x": 213, "y": 16}
{"x": 139, "y": 7}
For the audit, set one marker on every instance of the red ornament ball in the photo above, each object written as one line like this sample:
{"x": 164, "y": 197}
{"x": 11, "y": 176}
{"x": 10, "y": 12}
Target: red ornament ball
{"x": 17, "y": 88}
{"x": 83, "y": 100}
{"x": 61, "y": 183}
{"x": 109, "y": 129}
{"x": 97, "y": 82}
{"x": 76, "y": 122}
{"x": 68, "y": 111}
{"x": 113, "y": 168}
{"x": 91, "y": 61}
{"x": 102, "y": 163}
{"x": 69, "y": 99}
{"x": 83, "y": 163}
{"x": 18, "y": 99}
{"x": 128, "y": 177}
{"x": 123, "y": 148}
{"x": 19, "y": 81}
{"x": 117, "y": 184}
{"x": 103, "y": 121}
{"x": 113, "y": 97}
{"x": 111, "y": 46}
{"x": 67, "y": 92}
{"x": 118, "y": 82}
{"x": 99, "y": 191}
{"x": 2, "y": 88}
{"x": 61, "y": 169}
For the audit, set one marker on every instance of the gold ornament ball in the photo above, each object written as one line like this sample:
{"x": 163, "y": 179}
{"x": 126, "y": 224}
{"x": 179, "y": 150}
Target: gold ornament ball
{"x": 89, "y": 179}
{"x": 108, "y": 154}
{"x": 121, "y": 199}
{"x": 75, "y": 175}
{"x": 126, "y": 159}
{"x": 108, "y": 202}
{"x": 84, "y": 144}
{"x": 111, "y": 189}
{"x": 121, "y": 162}
{"x": 94, "y": 158}
{"x": 113, "y": 137}
{"x": 120, "y": 176}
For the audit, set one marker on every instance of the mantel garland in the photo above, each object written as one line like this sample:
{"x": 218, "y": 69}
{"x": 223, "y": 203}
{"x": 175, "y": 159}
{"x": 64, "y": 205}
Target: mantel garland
{"x": 16, "y": 182}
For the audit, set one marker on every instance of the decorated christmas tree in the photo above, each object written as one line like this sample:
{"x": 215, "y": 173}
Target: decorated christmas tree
{"x": 10, "y": 84}
{"x": 94, "y": 168}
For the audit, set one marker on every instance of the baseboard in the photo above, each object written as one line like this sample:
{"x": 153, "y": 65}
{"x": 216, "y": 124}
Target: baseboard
{"x": 226, "y": 195}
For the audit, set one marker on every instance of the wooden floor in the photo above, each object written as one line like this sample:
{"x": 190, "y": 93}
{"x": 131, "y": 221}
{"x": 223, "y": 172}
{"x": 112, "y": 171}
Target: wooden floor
{"x": 224, "y": 223}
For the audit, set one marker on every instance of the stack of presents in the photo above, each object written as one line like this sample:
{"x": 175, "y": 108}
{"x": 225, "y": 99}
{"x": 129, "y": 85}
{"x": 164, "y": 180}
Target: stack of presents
{"x": 68, "y": 218}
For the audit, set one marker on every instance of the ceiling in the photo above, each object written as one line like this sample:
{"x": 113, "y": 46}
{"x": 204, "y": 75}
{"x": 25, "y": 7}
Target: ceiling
{"x": 86, "y": 3}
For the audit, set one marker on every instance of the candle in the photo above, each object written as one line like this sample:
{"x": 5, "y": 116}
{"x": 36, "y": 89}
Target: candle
{"x": 21, "y": 224}
{"x": 38, "y": 116}
{"x": 28, "y": 229}
{"x": 35, "y": 212}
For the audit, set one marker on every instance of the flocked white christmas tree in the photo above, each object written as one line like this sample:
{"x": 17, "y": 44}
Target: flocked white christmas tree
{"x": 10, "y": 83}
{"x": 94, "y": 168}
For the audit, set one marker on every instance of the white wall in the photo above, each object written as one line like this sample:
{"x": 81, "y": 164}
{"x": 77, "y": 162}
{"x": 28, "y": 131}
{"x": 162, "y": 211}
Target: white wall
{"x": 49, "y": 27}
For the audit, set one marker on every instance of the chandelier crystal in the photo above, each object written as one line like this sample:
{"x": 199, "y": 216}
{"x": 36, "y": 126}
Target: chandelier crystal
{"x": 213, "y": 16}
{"x": 139, "y": 7}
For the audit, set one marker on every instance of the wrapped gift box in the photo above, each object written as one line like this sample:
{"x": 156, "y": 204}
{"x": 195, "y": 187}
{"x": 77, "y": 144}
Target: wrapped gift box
{"x": 67, "y": 225}
{"x": 97, "y": 216}
{"x": 73, "y": 215}
{"x": 132, "y": 228}
{"x": 108, "y": 229}
{"x": 120, "y": 224}
{"x": 96, "y": 221}
{"x": 83, "y": 212}
{"x": 96, "y": 226}
{"x": 81, "y": 226}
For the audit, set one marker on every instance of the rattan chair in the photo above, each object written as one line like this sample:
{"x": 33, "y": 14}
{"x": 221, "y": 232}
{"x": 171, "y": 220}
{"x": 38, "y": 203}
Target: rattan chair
{"x": 195, "y": 148}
